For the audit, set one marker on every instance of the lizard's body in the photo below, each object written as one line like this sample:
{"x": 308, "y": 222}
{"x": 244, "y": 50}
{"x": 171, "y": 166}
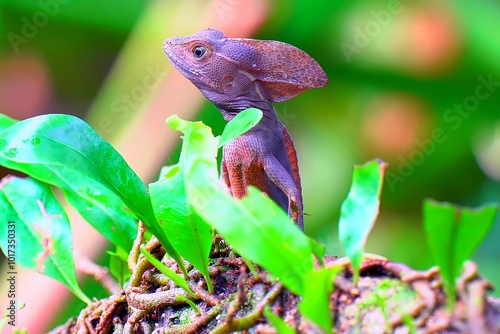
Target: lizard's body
{"x": 261, "y": 158}
{"x": 237, "y": 74}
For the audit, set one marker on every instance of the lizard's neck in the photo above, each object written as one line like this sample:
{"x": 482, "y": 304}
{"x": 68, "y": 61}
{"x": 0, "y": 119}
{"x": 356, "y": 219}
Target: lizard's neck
{"x": 269, "y": 116}
{"x": 268, "y": 113}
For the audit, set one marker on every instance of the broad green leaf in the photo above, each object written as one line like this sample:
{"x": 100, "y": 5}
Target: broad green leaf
{"x": 193, "y": 234}
{"x": 46, "y": 148}
{"x": 6, "y": 121}
{"x": 189, "y": 235}
{"x": 67, "y": 141}
{"x": 453, "y": 233}
{"x": 278, "y": 323}
{"x": 269, "y": 227}
{"x": 167, "y": 272}
{"x": 64, "y": 151}
{"x": 315, "y": 303}
{"x": 240, "y": 124}
{"x": 37, "y": 234}
{"x": 95, "y": 202}
{"x": 360, "y": 210}
{"x": 257, "y": 227}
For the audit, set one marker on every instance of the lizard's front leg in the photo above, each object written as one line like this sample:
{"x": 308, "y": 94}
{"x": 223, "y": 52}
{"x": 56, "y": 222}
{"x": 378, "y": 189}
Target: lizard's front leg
{"x": 224, "y": 178}
{"x": 232, "y": 178}
{"x": 281, "y": 178}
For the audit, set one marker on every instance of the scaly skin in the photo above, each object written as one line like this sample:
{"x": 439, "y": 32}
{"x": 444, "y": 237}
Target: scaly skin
{"x": 236, "y": 74}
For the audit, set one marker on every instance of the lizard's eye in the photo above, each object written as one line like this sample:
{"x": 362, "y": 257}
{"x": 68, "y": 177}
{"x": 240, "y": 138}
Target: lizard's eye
{"x": 199, "y": 51}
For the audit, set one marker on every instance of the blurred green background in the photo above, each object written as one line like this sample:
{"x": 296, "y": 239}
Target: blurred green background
{"x": 416, "y": 83}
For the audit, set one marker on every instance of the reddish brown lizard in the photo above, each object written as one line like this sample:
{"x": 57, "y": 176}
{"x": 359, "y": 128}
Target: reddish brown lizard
{"x": 236, "y": 74}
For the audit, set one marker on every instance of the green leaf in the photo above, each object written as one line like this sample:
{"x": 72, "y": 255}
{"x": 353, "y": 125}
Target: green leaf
{"x": 360, "y": 210}
{"x": 453, "y": 233}
{"x": 38, "y": 234}
{"x": 240, "y": 124}
{"x": 64, "y": 151}
{"x": 315, "y": 304}
{"x": 193, "y": 236}
{"x": 118, "y": 266}
{"x": 278, "y": 323}
{"x": 258, "y": 220}
{"x": 6, "y": 121}
{"x": 183, "y": 299}
{"x": 67, "y": 141}
{"x": 189, "y": 235}
{"x": 318, "y": 250}
{"x": 257, "y": 227}
{"x": 167, "y": 272}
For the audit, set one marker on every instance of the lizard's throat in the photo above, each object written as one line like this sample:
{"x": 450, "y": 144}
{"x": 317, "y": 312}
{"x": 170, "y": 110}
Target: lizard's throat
{"x": 230, "y": 109}
{"x": 230, "y": 112}
{"x": 267, "y": 113}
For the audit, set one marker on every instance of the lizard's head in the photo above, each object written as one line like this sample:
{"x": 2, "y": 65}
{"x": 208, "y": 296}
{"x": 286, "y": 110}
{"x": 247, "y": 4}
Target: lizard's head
{"x": 193, "y": 55}
{"x": 237, "y": 73}
{"x": 214, "y": 64}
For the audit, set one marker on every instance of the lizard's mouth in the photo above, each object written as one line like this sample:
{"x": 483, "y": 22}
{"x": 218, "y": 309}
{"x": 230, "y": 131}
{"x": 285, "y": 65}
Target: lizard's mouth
{"x": 188, "y": 71}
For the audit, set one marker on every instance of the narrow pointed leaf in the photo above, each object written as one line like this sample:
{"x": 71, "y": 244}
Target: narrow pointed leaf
{"x": 278, "y": 323}
{"x": 315, "y": 304}
{"x": 360, "y": 210}
{"x": 118, "y": 266}
{"x": 167, "y": 272}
